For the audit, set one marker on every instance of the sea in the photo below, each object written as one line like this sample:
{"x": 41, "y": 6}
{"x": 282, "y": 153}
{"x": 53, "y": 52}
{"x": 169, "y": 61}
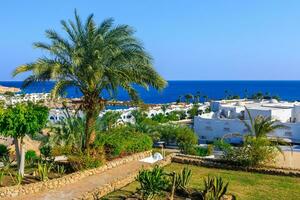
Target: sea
{"x": 213, "y": 90}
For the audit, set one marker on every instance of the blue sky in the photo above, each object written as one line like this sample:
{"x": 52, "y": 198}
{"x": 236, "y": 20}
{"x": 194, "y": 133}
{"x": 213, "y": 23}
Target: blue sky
{"x": 189, "y": 40}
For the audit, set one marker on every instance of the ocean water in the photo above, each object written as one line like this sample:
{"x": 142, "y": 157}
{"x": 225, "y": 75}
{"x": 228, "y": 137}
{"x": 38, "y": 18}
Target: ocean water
{"x": 286, "y": 90}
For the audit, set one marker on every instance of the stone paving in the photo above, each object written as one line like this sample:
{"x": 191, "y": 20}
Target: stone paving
{"x": 87, "y": 184}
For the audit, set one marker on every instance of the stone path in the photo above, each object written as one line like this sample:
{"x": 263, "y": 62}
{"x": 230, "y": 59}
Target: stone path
{"x": 86, "y": 184}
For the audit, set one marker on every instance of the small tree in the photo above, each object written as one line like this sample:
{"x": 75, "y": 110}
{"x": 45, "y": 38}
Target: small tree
{"x": 20, "y": 120}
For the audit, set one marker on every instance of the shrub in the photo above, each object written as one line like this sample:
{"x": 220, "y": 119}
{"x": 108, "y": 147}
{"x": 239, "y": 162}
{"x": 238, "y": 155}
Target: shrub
{"x": 61, "y": 150}
{"x": 201, "y": 151}
{"x": 30, "y": 156}
{"x": 82, "y": 161}
{"x": 194, "y": 111}
{"x": 186, "y": 140}
{"x": 152, "y": 182}
{"x": 45, "y": 151}
{"x": 254, "y": 152}
{"x": 122, "y": 141}
{"x": 3, "y": 150}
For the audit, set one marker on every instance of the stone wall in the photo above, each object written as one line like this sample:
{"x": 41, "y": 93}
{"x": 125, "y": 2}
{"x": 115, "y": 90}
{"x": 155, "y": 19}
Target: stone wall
{"x": 118, "y": 184}
{"x": 198, "y": 161}
{"x": 32, "y": 188}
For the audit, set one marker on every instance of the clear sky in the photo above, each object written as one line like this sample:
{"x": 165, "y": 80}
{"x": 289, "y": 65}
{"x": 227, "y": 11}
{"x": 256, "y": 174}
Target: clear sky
{"x": 189, "y": 40}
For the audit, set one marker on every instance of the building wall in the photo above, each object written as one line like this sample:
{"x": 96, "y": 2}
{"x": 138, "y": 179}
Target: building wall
{"x": 212, "y": 129}
{"x": 283, "y": 115}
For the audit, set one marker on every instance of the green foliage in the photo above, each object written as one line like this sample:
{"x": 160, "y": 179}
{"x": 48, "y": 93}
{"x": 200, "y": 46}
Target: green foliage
{"x": 23, "y": 119}
{"x": 2, "y": 175}
{"x": 188, "y": 98}
{"x": 163, "y": 118}
{"x": 30, "y": 156}
{"x": 8, "y": 93}
{"x": 83, "y": 161}
{"x": 186, "y": 140}
{"x": 60, "y": 169}
{"x": 18, "y": 179}
{"x": 139, "y": 116}
{"x": 123, "y": 140}
{"x": 194, "y": 111}
{"x": 45, "y": 151}
{"x": 3, "y": 150}
{"x": 43, "y": 170}
{"x": 152, "y": 182}
{"x": 69, "y": 133}
{"x": 214, "y": 188}
{"x": 183, "y": 179}
{"x": 108, "y": 120}
{"x": 222, "y": 145}
{"x": 82, "y": 59}
{"x": 201, "y": 151}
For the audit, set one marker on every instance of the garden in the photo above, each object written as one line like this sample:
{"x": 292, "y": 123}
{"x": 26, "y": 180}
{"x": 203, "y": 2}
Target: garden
{"x": 243, "y": 185}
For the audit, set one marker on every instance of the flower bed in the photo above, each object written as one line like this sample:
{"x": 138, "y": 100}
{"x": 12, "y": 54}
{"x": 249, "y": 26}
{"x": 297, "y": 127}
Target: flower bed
{"x": 14, "y": 191}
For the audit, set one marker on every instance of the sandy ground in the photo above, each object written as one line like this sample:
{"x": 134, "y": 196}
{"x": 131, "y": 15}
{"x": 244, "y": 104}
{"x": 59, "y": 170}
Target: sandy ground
{"x": 289, "y": 159}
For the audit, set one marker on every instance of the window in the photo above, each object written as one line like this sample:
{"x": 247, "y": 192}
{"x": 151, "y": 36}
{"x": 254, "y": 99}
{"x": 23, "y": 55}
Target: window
{"x": 208, "y": 128}
{"x": 203, "y": 137}
{"x": 226, "y": 129}
{"x": 288, "y": 134}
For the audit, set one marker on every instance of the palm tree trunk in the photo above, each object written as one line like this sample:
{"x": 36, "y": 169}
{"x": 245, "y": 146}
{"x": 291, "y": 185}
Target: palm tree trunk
{"x": 90, "y": 131}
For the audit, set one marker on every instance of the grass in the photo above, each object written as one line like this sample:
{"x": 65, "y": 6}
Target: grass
{"x": 245, "y": 185}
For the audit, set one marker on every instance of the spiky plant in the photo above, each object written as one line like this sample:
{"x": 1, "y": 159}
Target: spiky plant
{"x": 214, "y": 188}
{"x": 93, "y": 58}
{"x": 261, "y": 126}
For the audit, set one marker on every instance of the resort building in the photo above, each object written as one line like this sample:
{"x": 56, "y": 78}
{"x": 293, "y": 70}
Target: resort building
{"x": 227, "y": 116}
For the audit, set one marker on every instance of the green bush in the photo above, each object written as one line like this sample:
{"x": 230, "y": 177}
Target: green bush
{"x": 3, "y": 150}
{"x": 45, "y": 151}
{"x": 122, "y": 141}
{"x": 81, "y": 162}
{"x": 201, "y": 151}
{"x": 186, "y": 140}
{"x": 30, "y": 156}
{"x": 254, "y": 152}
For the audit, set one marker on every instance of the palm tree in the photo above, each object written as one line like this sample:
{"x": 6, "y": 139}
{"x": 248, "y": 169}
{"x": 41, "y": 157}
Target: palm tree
{"x": 197, "y": 97}
{"x": 261, "y": 126}
{"x": 205, "y": 97}
{"x": 188, "y": 98}
{"x": 93, "y": 58}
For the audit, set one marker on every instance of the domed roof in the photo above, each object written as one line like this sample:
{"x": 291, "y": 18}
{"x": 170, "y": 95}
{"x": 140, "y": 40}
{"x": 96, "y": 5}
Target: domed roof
{"x": 273, "y": 101}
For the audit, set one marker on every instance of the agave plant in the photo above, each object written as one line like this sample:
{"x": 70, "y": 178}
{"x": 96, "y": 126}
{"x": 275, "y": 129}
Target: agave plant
{"x": 180, "y": 181}
{"x": 152, "y": 182}
{"x": 184, "y": 178}
{"x": 214, "y": 188}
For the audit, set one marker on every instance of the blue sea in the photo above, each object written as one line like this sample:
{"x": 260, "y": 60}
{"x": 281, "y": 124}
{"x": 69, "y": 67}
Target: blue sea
{"x": 286, "y": 90}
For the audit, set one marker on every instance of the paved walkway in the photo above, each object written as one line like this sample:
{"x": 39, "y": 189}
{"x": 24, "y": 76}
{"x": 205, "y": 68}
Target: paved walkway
{"x": 86, "y": 184}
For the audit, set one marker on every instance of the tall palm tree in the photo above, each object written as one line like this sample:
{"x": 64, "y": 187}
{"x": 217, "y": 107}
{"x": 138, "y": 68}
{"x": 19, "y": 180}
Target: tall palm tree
{"x": 188, "y": 98}
{"x": 261, "y": 126}
{"x": 197, "y": 97}
{"x": 93, "y": 58}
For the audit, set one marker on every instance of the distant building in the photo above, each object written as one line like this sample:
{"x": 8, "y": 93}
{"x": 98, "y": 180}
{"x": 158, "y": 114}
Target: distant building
{"x": 226, "y": 117}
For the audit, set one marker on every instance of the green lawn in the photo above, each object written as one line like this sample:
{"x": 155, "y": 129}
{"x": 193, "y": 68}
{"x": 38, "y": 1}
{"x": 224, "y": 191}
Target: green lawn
{"x": 244, "y": 185}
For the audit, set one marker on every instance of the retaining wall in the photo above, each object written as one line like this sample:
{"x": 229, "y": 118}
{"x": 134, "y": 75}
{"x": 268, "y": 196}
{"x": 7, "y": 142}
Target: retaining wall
{"x": 32, "y": 188}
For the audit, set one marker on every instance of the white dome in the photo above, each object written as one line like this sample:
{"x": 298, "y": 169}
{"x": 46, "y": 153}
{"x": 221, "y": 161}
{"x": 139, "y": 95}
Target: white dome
{"x": 273, "y": 101}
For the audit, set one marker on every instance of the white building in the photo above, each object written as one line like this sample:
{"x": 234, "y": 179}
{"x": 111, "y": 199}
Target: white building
{"x": 226, "y": 119}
